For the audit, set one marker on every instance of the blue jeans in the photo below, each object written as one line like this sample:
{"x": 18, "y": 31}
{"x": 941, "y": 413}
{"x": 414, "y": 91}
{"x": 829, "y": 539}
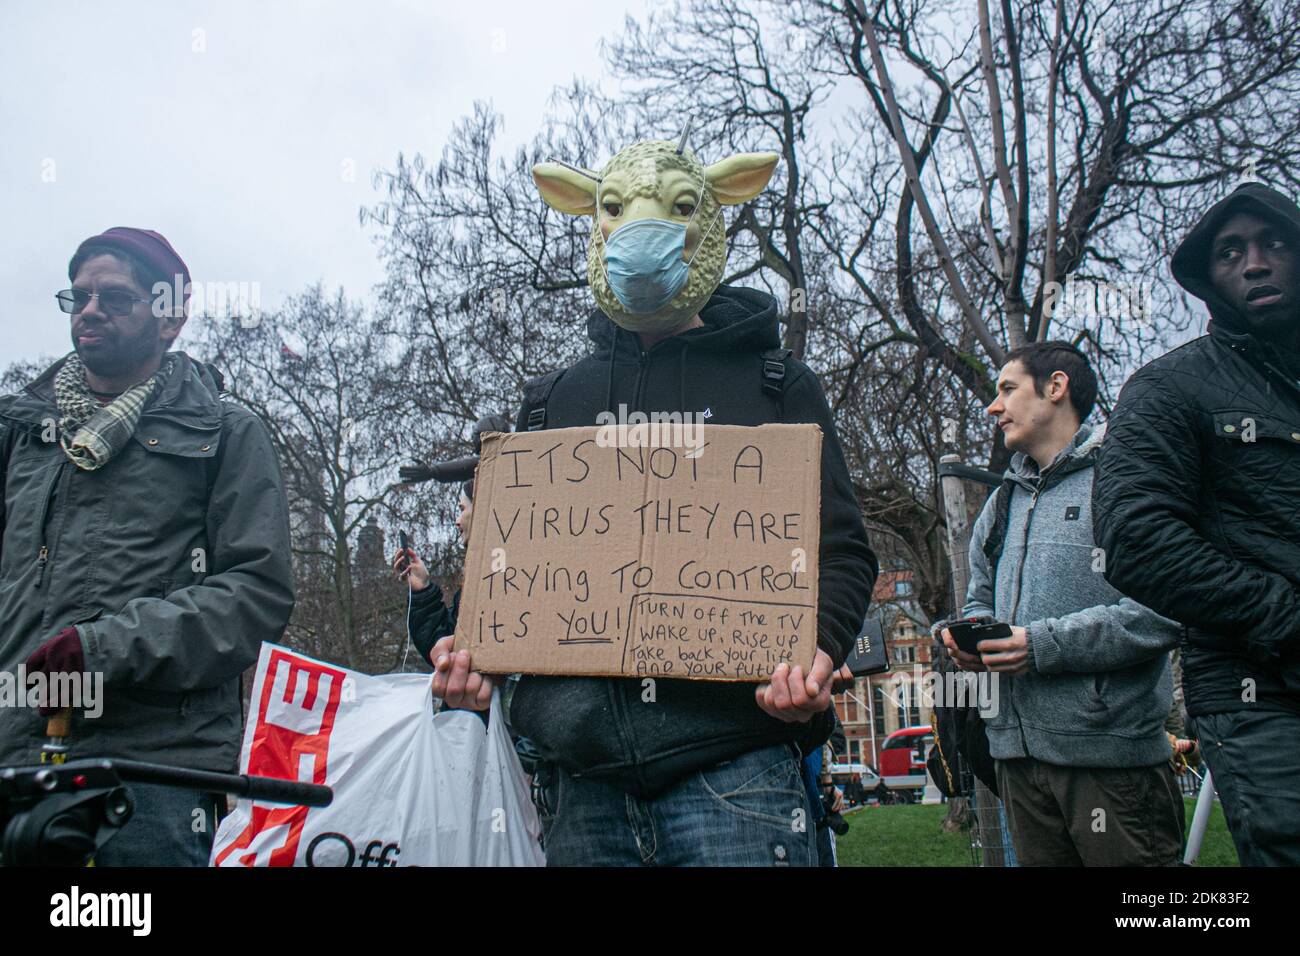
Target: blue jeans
{"x": 748, "y": 811}
{"x": 169, "y": 827}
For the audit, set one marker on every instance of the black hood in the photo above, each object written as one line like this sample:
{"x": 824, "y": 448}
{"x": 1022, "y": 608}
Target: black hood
{"x": 735, "y": 319}
{"x": 1191, "y": 262}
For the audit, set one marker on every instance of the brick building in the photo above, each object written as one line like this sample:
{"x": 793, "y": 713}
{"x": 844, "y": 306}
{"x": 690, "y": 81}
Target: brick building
{"x": 878, "y": 705}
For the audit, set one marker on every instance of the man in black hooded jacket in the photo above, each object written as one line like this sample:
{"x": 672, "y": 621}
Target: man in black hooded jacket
{"x": 680, "y": 772}
{"x": 700, "y": 772}
{"x": 1197, "y": 509}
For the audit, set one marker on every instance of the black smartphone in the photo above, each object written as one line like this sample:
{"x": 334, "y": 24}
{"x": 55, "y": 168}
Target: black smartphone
{"x": 404, "y": 543}
{"x": 968, "y": 633}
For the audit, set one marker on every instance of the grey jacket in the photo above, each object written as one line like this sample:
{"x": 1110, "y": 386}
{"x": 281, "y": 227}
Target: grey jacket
{"x": 1099, "y": 688}
{"x": 172, "y": 560}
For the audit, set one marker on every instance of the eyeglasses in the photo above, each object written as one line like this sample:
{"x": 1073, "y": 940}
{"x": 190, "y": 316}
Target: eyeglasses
{"x": 115, "y": 302}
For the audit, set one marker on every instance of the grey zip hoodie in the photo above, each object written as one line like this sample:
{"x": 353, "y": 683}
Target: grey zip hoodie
{"x": 1099, "y": 686}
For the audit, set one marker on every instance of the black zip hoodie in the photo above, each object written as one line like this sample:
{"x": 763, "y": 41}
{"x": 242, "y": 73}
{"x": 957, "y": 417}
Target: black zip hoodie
{"x": 602, "y": 727}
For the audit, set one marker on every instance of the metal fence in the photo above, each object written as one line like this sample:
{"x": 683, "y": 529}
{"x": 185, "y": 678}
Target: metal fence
{"x": 990, "y": 842}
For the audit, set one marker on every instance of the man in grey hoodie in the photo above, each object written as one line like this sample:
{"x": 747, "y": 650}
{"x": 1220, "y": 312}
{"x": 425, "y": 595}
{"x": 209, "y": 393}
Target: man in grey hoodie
{"x": 1078, "y": 737}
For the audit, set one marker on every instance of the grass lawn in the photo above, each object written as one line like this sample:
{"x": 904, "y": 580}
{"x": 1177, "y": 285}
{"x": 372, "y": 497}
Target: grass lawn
{"x": 910, "y": 835}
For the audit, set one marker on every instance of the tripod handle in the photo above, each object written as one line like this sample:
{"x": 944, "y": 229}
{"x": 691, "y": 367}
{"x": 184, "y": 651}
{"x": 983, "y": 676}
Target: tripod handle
{"x": 60, "y": 724}
{"x": 289, "y": 792}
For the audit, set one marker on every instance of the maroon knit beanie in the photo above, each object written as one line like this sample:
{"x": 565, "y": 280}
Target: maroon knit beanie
{"x": 145, "y": 245}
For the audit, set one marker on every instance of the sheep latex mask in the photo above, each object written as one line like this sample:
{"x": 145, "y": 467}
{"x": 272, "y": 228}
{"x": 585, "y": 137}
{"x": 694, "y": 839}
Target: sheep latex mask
{"x": 658, "y": 242}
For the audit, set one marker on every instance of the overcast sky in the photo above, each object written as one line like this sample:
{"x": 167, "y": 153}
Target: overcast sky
{"x": 226, "y": 126}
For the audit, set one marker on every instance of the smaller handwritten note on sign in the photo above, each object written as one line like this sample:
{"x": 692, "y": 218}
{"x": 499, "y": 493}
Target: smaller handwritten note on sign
{"x": 652, "y": 550}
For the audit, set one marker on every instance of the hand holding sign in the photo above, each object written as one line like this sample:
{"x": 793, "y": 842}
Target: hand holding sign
{"x": 454, "y": 682}
{"x": 796, "y": 698}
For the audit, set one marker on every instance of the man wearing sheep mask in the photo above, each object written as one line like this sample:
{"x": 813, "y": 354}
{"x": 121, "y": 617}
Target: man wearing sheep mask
{"x": 706, "y": 772}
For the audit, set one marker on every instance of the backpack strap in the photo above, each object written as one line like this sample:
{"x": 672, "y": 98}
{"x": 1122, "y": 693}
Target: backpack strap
{"x": 998, "y": 533}
{"x": 537, "y": 392}
{"x": 774, "y": 371}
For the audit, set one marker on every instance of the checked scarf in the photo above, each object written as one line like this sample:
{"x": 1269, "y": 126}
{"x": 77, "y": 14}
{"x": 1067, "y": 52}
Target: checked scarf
{"x": 90, "y": 433}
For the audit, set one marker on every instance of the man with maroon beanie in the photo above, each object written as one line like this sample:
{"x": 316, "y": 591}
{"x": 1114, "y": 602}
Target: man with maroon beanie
{"x": 144, "y": 546}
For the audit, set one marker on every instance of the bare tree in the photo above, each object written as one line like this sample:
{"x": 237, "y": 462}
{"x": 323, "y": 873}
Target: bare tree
{"x": 18, "y": 375}
{"x": 486, "y": 283}
{"x": 906, "y": 230}
{"x": 318, "y": 374}
{"x": 1147, "y": 103}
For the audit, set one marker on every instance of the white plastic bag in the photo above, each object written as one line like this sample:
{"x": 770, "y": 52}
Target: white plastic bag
{"x": 410, "y": 788}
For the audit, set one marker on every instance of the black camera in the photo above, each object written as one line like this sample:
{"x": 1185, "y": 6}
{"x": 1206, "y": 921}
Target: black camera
{"x": 60, "y": 814}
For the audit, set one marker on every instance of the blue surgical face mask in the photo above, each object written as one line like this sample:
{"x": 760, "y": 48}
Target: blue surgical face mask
{"x": 645, "y": 264}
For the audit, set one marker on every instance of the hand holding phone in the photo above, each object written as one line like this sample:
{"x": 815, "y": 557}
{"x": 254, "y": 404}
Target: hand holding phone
{"x": 968, "y": 633}
{"x": 402, "y": 560}
{"x": 408, "y": 566}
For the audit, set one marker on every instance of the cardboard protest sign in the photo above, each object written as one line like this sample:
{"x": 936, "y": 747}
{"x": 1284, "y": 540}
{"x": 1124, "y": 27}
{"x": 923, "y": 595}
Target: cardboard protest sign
{"x": 682, "y": 551}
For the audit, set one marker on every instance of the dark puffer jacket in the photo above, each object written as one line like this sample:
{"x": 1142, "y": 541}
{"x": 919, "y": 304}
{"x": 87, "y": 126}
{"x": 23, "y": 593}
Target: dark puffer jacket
{"x": 1198, "y": 491}
{"x": 601, "y": 727}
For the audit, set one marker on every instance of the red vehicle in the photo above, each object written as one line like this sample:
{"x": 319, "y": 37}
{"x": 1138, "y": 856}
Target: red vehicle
{"x": 903, "y": 753}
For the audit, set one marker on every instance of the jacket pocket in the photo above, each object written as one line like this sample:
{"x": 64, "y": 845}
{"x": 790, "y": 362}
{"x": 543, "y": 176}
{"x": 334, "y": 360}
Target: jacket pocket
{"x": 161, "y": 435}
{"x": 570, "y": 718}
{"x": 1260, "y": 457}
{"x": 1208, "y": 640}
{"x": 134, "y": 713}
{"x": 1004, "y": 716}
{"x": 1249, "y": 427}
{"x": 1063, "y": 703}
{"x": 1133, "y": 701}
{"x": 1098, "y": 687}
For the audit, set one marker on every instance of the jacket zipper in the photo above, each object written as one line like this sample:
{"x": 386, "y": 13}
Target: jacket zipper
{"x": 43, "y": 553}
{"x": 642, "y": 363}
{"x": 1024, "y": 550}
{"x": 618, "y": 689}
{"x": 1039, "y": 488}
{"x": 1015, "y": 605}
